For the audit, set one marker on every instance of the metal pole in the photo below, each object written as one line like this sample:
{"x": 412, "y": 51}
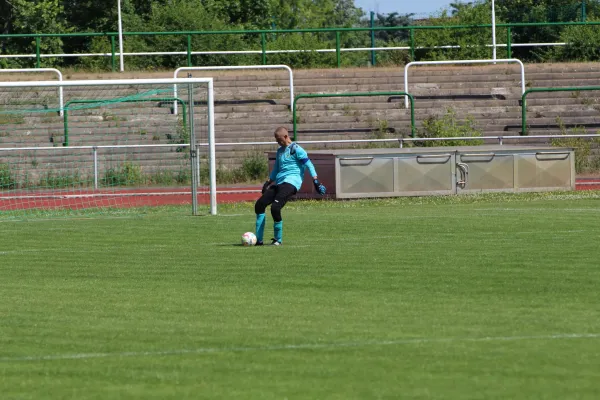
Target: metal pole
{"x": 494, "y": 29}
{"x": 193, "y": 150}
{"x": 337, "y": 49}
{"x": 95, "y": 152}
{"x": 122, "y": 68}
{"x": 583, "y": 11}
{"x": 38, "y": 57}
{"x": 212, "y": 149}
{"x": 373, "y": 59}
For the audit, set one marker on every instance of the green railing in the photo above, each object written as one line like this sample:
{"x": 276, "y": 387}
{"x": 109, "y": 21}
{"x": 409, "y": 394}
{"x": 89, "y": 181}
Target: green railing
{"x": 264, "y": 34}
{"x": 543, "y": 90}
{"x": 90, "y": 101}
{"x": 366, "y": 94}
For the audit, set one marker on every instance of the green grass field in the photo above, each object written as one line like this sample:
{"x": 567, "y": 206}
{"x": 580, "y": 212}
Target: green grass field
{"x": 474, "y": 297}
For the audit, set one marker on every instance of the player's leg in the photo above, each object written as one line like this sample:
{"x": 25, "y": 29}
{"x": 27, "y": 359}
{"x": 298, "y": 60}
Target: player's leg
{"x": 284, "y": 192}
{"x": 259, "y": 208}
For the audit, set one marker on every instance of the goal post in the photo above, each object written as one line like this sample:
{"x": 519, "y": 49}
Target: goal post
{"x": 118, "y": 144}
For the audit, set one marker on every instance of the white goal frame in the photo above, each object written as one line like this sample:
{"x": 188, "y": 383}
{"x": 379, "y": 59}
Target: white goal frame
{"x": 57, "y": 72}
{"x": 165, "y": 81}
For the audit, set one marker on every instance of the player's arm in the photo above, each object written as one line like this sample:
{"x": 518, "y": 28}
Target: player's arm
{"x": 302, "y": 157}
{"x": 272, "y": 175}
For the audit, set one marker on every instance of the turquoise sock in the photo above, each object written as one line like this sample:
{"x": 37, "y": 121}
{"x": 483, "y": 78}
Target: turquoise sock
{"x": 260, "y": 226}
{"x": 278, "y": 230}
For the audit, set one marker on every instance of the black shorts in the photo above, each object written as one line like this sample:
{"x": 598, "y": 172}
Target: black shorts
{"x": 282, "y": 193}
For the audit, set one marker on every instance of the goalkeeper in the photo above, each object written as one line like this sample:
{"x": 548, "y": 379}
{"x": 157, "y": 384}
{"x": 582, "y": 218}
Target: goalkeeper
{"x": 284, "y": 181}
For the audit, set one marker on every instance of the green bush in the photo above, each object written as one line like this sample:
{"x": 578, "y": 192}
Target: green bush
{"x": 127, "y": 174}
{"x": 585, "y": 161}
{"x": 61, "y": 179}
{"x": 583, "y": 44}
{"x": 448, "y": 126}
{"x": 7, "y": 180}
{"x": 255, "y": 166}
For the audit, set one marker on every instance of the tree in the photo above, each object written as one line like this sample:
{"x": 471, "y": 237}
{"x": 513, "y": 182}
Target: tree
{"x": 26, "y": 17}
{"x": 392, "y": 20}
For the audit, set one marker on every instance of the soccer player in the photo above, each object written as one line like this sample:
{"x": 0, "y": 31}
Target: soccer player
{"x": 284, "y": 181}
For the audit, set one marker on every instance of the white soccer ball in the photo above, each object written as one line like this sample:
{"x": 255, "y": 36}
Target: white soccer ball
{"x": 248, "y": 239}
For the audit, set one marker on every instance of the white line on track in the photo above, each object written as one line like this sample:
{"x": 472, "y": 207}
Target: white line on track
{"x": 305, "y": 346}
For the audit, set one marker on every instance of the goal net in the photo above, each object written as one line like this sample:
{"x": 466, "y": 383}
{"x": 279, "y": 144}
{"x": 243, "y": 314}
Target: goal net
{"x": 113, "y": 144}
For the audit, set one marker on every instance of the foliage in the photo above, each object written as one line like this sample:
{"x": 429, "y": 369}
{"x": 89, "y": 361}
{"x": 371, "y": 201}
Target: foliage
{"x": 65, "y": 16}
{"x": 583, "y": 44}
{"x": 61, "y": 179}
{"x": 585, "y": 160}
{"x": 448, "y": 125}
{"x": 7, "y": 180}
{"x": 255, "y": 166}
{"x": 126, "y": 174}
{"x": 471, "y": 42}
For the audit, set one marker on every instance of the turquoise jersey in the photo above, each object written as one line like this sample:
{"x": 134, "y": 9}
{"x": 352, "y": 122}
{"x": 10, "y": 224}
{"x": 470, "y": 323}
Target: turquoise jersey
{"x": 290, "y": 163}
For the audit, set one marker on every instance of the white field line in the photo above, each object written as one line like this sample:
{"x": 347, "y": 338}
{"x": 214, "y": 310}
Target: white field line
{"x": 120, "y": 194}
{"x": 301, "y": 346}
{"x": 525, "y": 210}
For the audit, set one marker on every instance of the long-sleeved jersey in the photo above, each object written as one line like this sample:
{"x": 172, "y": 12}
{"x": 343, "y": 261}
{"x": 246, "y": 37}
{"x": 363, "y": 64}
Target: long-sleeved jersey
{"x": 290, "y": 163}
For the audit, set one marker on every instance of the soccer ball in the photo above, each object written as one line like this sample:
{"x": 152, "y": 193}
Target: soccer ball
{"x": 248, "y": 239}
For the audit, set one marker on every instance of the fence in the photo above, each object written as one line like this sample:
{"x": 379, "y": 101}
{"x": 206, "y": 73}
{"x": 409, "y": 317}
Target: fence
{"x": 368, "y": 94}
{"x": 238, "y": 67}
{"x": 514, "y": 60}
{"x": 263, "y": 34}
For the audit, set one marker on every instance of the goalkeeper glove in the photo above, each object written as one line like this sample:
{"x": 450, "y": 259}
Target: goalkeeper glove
{"x": 265, "y": 187}
{"x": 319, "y": 187}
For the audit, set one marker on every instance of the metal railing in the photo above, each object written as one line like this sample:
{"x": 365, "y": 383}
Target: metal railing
{"x": 263, "y": 34}
{"x": 511, "y": 60}
{"x": 367, "y": 94}
{"x": 236, "y": 67}
{"x": 92, "y": 101}
{"x": 500, "y": 140}
{"x": 541, "y": 90}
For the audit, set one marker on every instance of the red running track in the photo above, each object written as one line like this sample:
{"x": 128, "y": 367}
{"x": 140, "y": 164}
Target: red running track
{"x": 149, "y": 197}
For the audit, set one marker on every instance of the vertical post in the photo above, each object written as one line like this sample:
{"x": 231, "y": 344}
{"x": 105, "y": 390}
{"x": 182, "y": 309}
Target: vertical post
{"x": 509, "y": 42}
{"x": 66, "y": 125}
{"x": 494, "y": 30}
{"x": 113, "y": 52}
{"x": 524, "y": 115}
{"x": 412, "y": 116}
{"x": 38, "y": 58}
{"x": 193, "y": 150}
{"x": 211, "y": 149}
{"x": 294, "y": 122}
{"x": 337, "y": 49}
{"x": 189, "y": 50}
{"x": 583, "y": 13}
{"x": 412, "y": 44}
{"x": 263, "y": 46}
{"x": 95, "y": 153}
{"x": 373, "y": 57}
{"x": 122, "y": 67}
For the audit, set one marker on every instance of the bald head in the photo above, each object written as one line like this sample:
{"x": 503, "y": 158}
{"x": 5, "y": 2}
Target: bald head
{"x": 282, "y": 136}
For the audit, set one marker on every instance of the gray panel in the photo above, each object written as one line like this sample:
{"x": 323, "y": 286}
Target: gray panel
{"x": 424, "y": 173}
{"x": 489, "y": 171}
{"x": 366, "y": 175}
{"x": 544, "y": 170}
